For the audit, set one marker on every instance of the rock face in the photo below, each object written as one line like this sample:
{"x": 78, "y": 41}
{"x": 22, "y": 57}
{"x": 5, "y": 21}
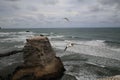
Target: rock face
{"x": 40, "y": 62}
{"x": 38, "y": 52}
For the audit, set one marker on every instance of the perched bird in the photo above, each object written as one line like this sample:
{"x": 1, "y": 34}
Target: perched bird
{"x": 66, "y": 19}
{"x": 70, "y": 44}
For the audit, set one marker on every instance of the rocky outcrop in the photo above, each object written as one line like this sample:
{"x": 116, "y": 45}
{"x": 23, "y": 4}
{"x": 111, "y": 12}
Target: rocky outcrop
{"x": 40, "y": 61}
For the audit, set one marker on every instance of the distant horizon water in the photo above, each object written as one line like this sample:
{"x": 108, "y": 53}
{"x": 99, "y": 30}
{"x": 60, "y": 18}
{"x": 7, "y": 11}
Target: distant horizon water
{"x": 52, "y": 27}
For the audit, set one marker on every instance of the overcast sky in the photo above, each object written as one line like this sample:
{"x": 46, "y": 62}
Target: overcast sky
{"x": 51, "y": 13}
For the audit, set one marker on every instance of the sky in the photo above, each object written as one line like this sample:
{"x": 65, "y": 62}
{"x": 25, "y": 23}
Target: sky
{"x": 53, "y": 13}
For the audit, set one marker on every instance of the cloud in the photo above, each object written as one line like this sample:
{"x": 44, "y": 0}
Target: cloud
{"x": 12, "y": 0}
{"x": 49, "y": 1}
{"x": 110, "y": 3}
{"x": 95, "y": 8}
{"x": 48, "y": 13}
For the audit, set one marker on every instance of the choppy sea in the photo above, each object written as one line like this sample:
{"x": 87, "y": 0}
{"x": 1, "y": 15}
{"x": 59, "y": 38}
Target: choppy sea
{"x": 95, "y": 53}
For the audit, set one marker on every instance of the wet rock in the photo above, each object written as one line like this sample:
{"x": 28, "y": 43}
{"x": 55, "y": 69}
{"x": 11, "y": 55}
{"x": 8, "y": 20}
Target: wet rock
{"x": 40, "y": 61}
{"x": 27, "y": 31}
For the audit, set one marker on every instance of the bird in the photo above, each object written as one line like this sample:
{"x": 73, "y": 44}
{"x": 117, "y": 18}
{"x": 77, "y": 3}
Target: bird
{"x": 70, "y": 44}
{"x": 66, "y": 19}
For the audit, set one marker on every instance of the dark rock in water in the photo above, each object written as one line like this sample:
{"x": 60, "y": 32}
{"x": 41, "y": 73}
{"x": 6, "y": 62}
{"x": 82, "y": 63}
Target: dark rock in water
{"x": 10, "y": 52}
{"x": 40, "y": 61}
{"x": 27, "y": 31}
{"x": 41, "y": 35}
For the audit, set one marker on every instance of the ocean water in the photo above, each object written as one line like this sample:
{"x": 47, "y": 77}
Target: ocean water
{"x": 95, "y": 53}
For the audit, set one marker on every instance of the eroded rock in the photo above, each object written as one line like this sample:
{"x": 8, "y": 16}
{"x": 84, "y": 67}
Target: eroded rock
{"x": 40, "y": 61}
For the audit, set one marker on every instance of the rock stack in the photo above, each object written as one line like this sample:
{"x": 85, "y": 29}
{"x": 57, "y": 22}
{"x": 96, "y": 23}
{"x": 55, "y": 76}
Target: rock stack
{"x": 40, "y": 61}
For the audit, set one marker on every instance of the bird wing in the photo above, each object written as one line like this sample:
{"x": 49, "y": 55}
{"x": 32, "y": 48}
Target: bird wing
{"x": 65, "y": 48}
{"x": 67, "y": 19}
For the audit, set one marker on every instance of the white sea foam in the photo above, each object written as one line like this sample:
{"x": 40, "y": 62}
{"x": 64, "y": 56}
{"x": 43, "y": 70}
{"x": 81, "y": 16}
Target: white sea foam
{"x": 94, "y": 47}
{"x": 25, "y": 32}
{"x": 99, "y": 43}
{"x": 16, "y": 36}
{"x": 95, "y": 64}
{"x": 21, "y": 36}
{"x": 19, "y": 46}
{"x": 57, "y": 36}
{"x": 58, "y": 44}
{"x": 16, "y": 39}
{"x": 3, "y": 34}
{"x": 45, "y": 34}
{"x": 116, "y": 49}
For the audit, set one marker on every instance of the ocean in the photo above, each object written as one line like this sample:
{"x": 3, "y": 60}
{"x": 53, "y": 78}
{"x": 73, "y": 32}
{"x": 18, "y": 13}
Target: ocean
{"x": 95, "y": 53}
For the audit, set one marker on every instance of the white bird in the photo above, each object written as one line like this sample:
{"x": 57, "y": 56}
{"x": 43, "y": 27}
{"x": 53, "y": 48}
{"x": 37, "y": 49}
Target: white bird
{"x": 70, "y": 44}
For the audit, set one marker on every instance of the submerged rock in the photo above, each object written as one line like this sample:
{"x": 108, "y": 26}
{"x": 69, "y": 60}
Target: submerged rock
{"x": 40, "y": 61}
{"x": 27, "y": 31}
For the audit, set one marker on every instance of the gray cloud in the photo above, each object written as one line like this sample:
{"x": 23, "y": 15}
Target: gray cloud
{"x": 15, "y": 7}
{"x": 6, "y": 10}
{"x": 95, "y": 8}
{"x": 12, "y": 0}
{"x": 115, "y": 3}
{"x": 51, "y": 13}
{"x": 110, "y": 2}
{"x": 32, "y": 8}
{"x": 49, "y": 1}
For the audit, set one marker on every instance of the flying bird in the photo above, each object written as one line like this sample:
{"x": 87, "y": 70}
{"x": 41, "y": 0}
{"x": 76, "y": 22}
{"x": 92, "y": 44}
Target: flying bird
{"x": 66, "y": 19}
{"x": 70, "y": 44}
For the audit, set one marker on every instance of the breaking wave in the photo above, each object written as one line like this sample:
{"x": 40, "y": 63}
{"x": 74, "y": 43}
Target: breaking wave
{"x": 92, "y": 47}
